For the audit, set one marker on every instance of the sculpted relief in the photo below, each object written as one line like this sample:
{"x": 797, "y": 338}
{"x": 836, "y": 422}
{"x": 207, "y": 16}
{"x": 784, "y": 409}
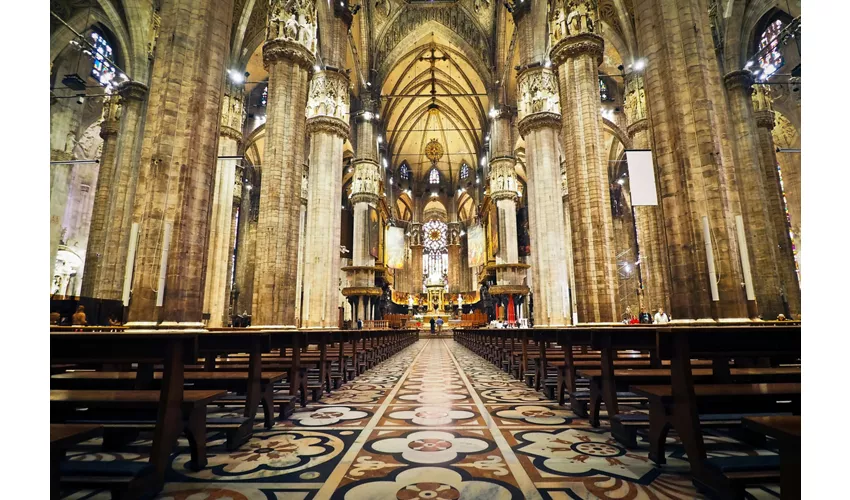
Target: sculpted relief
{"x": 572, "y": 17}
{"x": 538, "y": 93}
{"x": 328, "y": 96}
{"x": 293, "y": 20}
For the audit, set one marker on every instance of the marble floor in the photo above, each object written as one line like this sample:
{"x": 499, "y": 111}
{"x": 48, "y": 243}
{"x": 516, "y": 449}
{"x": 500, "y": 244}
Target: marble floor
{"x": 433, "y": 422}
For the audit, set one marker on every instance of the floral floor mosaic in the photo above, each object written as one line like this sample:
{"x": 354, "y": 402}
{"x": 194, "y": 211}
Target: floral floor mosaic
{"x": 433, "y": 422}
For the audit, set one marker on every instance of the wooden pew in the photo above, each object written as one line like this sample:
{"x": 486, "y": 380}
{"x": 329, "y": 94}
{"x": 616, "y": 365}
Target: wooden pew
{"x": 62, "y": 437}
{"x": 728, "y": 476}
{"x": 171, "y": 348}
{"x": 786, "y": 429}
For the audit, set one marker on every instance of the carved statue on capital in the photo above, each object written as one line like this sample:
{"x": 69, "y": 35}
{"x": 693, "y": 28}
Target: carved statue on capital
{"x": 293, "y": 20}
{"x": 415, "y": 230}
{"x": 538, "y": 92}
{"x": 762, "y": 100}
{"x": 572, "y": 17}
{"x": 112, "y": 108}
{"x": 328, "y": 96}
{"x": 366, "y": 179}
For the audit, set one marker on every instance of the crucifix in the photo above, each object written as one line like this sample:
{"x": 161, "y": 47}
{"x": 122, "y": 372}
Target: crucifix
{"x": 433, "y": 60}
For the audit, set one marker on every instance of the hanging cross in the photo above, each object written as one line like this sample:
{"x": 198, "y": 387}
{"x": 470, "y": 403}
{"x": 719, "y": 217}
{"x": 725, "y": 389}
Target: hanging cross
{"x": 433, "y": 60}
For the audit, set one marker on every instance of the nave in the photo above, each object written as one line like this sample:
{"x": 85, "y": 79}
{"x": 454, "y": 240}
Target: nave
{"x": 433, "y": 421}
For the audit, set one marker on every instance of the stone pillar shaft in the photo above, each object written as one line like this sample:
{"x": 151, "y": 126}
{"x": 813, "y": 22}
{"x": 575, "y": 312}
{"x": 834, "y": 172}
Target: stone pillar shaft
{"x": 109, "y": 280}
{"x": 177, "y": 161}
{"x": 548, "y": 255}
{"x": 650, "y": 232}
{"x": 95, "y": 248}
{"x": 577, "y": 58}
{"x": 692, "y": 163}
{"x": 778, "y": 220}
{"x": 220, "y": 251}
{"x": 328, "y": 131}
{"x": 246, "y": 244}
{"x": 289, "y": 63}
{"x": 761, "y": 239}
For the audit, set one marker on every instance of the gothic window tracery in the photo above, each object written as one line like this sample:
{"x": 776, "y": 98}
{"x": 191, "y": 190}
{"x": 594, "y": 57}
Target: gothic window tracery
{"x": 464, "y": 171}
{"x": 435, "y": 258}
{"x": 771, "y": 58}
{"x": 102, "y": 70}
{"x": 404, "y": 171}
{"x": 434, "y": 176}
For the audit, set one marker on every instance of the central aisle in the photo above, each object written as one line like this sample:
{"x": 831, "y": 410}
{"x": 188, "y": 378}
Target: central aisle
{"x": 433, "y": 422}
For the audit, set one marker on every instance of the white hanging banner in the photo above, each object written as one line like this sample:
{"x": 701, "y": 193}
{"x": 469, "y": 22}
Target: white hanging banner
{"x": 642, "y": 177}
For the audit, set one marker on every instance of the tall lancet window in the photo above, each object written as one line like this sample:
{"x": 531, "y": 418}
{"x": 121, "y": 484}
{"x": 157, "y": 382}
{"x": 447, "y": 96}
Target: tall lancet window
{"x": 435, "y": 259}
{"x": 770, "y": 58}
{"x": 434, "y": 176}
{"x": 404, "y": 171}
{"x": 464, "y": 171}
{"x": 102, "y": 70}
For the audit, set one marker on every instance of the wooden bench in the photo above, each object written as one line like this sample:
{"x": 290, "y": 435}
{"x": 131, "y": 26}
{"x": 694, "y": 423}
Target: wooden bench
{"x": 172, "y": 349}
{"x": 62, "y": 437}
{"x": 686, "y": 401}
{"x": 786, "y": 429}
{"x": 231, "y": 381}
{"x": 124, "y": 409}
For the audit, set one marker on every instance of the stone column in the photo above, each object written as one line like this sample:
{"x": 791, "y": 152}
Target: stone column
{"x": 302, "y": 229}
{"x": 288, "y": 56}
{"x": 773, "y": 196}
{"x": 95, "y": 247}
{"x": 112, "y": 267}
{"x": 220, "y": 249}
{"x": 63, "y": 126}
{"x": 577, "y": 56}
{"x": 327, "y": 123}
{"x": 177, "y": 162}
{"x": 246, "y": 241}
{"x": 453, "y": 247}
{"x": 503, "y": 186}
{"x": 650, "y": 233}
{"x": 760, "y": 237}
{"x": 686, "y": 108}
{"x": 230, "y": 280}
{"x": 539, "y": 124}
{"x": 416, "y": 257}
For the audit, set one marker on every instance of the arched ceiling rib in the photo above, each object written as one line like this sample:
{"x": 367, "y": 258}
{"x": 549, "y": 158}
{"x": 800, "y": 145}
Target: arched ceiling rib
{"x": 455, "y": 114}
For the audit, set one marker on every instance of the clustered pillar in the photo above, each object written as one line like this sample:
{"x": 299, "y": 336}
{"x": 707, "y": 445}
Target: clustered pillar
{"x": 220, "y": 251}
{"x": 288, "y": 56}
{"x": 773, "y": 197}
{"x": 577, "y": 56}
{"x": 686, "y": 108}
{"x": 650, "y": 235}
{"x": 178, "y": 156}
{"x": 327, "y": 123}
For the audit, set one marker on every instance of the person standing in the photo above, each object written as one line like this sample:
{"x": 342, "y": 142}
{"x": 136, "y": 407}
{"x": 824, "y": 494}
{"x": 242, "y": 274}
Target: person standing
{"x": 433, "y": 323}
{"x": 439, "y": 324}
{"x": 661, "y": 317}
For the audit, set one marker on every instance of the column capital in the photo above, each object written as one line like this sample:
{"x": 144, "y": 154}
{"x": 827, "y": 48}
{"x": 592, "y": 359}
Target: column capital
{"x": 366, "y": 181}
{"x": 538, "y": 120}
{"x": 537, "y": 92}
{"x": 576, "y": 45}
{"x": 364, "y": 197}
{"x": 230, "y": 133}
{"x": 328, "y": 95}
{"x": 111, "y": 116}
{"x": 765, "y": 119}
{"x": 132, "y": 91}
{"x": 328, "y": 124}
{"x": 287, "y": 50}
{"x": 740, "y": 79}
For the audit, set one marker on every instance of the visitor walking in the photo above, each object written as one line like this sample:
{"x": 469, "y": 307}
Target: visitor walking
{"x": 439, "y": 324}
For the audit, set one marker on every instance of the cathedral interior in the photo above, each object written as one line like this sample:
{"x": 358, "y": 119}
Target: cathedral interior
{"x": 372, "y": 164}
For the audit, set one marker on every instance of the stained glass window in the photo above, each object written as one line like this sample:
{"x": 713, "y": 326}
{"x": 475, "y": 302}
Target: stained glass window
{"x": 102, "y": 70}
{"x": 434, "y": 176}
{"x": 265, "y": 97}
{"x": 464, "y": 171}
{"x": 603, "y": 91}
{"x": 436, "y": 258}
{"x": 770, "y": 59}
{"x": 404, "y": 171}
{"x": 788, "y": 221}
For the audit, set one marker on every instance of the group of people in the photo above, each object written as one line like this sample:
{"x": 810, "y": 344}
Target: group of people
{"x": 438, "y": 324}
{"x": 78, "y": 318}
{"x": 659, "y": 318}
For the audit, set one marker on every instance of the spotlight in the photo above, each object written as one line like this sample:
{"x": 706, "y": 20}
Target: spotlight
{"x": 493, "y": 113}
{"x": 81, "y": 99}
{"x": 483, "y": 161}
{"x": 547, "y": 64}
{"x": 748, "y": 65}
{"x": 377, "y": 116}
{"x": 621, "y": 182}
{"x": 640, "y": 64}
{"x": 316, "y": 67}
{"x": 367, "y": 116}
